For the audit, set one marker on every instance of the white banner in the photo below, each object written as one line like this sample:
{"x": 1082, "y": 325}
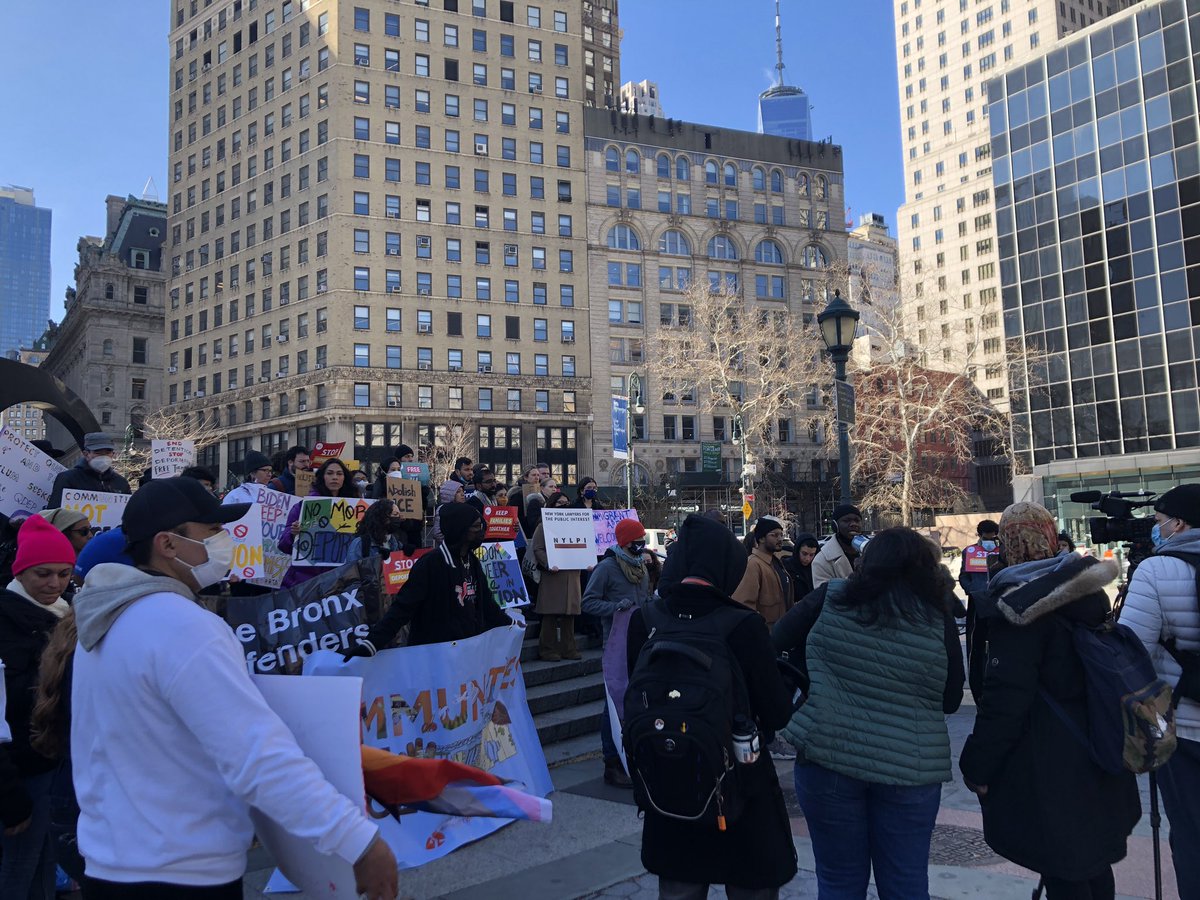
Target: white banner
{"x": 26, "y": 475}
{"x": 605, "y": 521}
{"x": 169, "y": 458}
{"x": 570, "y": 538}
{"x": 103, "y": 510}
{"x": 274, "y": 506}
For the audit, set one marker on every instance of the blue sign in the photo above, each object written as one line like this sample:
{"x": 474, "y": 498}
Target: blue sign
{"x": 620, "y": 427}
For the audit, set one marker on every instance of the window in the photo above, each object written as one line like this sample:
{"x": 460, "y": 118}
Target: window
{"x": 362, "y": 355}
{"x": 768, "y": 252}
{"x": 485, "y": 399}
{"x": 140, "y": 351}
{"x": 722, "y": 247}
{"x": 622, "y": 237}
{"x": 362, "y": 394}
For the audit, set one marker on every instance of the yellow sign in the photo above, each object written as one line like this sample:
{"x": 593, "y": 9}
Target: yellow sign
{"x": 746, "y": 510}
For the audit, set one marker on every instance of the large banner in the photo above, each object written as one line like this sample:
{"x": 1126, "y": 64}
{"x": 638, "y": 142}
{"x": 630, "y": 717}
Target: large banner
{"x": 103, "y": 510}
{"x": 274, "y": 507}
{"x": 327, "y": 528}
{"x": 570, "y": 538}
{"x": 503, "y": 572}
{"x": 463, "y": 701}
{"x": 329, "y": 612}
{"x": 26, "y": 475}
{"x": 605, "y": 522}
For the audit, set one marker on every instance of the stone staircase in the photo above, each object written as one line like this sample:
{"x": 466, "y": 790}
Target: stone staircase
{"x": 566, "y": 698}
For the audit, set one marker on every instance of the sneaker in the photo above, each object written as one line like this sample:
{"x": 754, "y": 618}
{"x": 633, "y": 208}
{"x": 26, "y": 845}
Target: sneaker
{"x": 614, "y": 774}
{"x": 781, "y": 749}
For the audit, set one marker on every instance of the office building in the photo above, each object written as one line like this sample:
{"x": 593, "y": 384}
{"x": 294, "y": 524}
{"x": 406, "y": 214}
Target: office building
{"x": 25, "y": 419}
{"x": 377, "y": 223}
{"x": 946, "y": 53}
{"x": 108, "y": 349}
{"x": 673, "y": 202}
{"x": 24, "y": 269}
{"x": 1097, "y": 180}
{"x": 783, "y": 109}
{"x": 873, "y": 287}
{"x": 641, "y": 98}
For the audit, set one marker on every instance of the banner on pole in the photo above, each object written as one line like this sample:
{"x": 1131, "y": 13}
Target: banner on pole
{"x": 327, "y": 528}
{"x": 103, "y": 510}
{"x": 570, "y": 538}
{"x": 26, "y": 475}
{"x": 322, "y": 451}
{"x": 169, "y": 458}
{"x": 620, "y": 427}
{"x": 710, "y": 456}
{"x": 604, "y": 521}
{"x": 503, "y": 572}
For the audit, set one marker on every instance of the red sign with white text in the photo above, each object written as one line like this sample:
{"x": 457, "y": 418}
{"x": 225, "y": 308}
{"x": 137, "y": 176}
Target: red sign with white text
{"x": 322, "y": 451}
{"x": 501, "y": 522}
{"x": 397, "y": 567}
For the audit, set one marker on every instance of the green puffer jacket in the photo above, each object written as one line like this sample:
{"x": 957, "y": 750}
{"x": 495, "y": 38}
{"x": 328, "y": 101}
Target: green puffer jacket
{"x": 874, "y": 710}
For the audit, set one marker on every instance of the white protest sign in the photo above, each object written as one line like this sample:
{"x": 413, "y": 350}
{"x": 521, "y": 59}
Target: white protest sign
{"x": 26, "y": 475}
{"x": 103, "y": 510}
{"x": 605, "y": 521}
{"x": 274, "y": 508}
{"x": 247, "y": 534}
{"x": 323, "y": 715}
{"x": 169, "y": 458}
{"x": 570, "y": 538}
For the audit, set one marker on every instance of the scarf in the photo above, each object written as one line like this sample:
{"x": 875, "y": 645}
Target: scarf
{"x": 59, "y": 607}
{"x": 1028, "y": 533}
{"x": 633, "y": 567}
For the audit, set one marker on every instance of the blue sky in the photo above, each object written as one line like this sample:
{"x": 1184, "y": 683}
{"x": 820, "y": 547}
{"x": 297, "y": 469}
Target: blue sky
{"x": 88, "y": 117}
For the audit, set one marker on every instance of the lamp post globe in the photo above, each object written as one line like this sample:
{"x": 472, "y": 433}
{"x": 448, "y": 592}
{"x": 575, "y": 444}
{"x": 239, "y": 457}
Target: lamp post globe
{"x": 838, "y": 322}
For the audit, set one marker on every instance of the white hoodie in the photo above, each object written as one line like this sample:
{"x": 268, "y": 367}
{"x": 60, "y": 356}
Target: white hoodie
{"x": 172, "y": 744}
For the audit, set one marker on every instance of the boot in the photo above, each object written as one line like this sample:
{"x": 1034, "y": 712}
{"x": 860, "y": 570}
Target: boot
{"x": 548, "y": 643}
{"x": 614, "y": 774}
{"x": 567, "y": 643}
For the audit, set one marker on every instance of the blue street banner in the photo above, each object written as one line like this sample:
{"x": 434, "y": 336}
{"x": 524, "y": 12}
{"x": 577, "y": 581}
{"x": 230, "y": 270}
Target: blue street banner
{"x": 620, "y": 427}
{"x": 463, "y": 701}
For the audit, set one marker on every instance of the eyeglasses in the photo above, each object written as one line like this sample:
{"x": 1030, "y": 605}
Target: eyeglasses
{"x": 84, "y": 531}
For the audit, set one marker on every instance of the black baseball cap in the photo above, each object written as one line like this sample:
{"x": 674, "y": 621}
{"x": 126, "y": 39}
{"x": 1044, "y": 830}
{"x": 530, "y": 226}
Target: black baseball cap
{"x": 167, "y": 503}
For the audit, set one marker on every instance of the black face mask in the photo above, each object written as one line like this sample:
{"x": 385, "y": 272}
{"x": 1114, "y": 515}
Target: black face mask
{"x": 637, "y": 547}
{"x": 396, "y": 525}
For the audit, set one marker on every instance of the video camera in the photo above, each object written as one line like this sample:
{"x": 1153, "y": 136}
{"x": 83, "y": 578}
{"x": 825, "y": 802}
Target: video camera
{"x": 1118, "y": 523}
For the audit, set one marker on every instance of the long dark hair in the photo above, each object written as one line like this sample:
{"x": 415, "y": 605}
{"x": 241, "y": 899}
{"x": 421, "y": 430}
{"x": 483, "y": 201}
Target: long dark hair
{"x": 347, "y": 490}
{"x": 900, "y": 576}
{"x": 50, "y": 723}
{"x": 376, "y": 521}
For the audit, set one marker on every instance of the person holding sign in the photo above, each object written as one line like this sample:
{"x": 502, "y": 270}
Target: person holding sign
{"x": 93, "y": 472}
{"x": 380, "y": 533}
{"x": 333, "y": 480}
{"x": 447, "y": 597}
{"x": 559, "y": 596}
{"x": 257, "y": 471}
{"x": 171, "y": 742}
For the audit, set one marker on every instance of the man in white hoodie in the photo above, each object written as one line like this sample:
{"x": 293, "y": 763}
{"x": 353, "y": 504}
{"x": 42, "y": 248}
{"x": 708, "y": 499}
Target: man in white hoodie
{"x": 1161, "y": 607}
{"x": 171, "y": 742}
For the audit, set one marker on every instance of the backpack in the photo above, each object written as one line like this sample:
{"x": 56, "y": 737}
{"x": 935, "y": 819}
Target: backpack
{"x": 1188, "y": 660}
{"x": 1131, "y": 719}
{"x": 683, "y": 694}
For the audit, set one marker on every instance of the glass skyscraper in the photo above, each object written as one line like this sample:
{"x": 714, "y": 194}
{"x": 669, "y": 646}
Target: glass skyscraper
{"x": 784, "y": 111}
{"x": 24, "y": 269}
{"x": 1097, "y": 190}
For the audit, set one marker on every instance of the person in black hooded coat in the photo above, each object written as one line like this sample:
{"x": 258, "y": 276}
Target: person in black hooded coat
{"x": 756, "y": 853}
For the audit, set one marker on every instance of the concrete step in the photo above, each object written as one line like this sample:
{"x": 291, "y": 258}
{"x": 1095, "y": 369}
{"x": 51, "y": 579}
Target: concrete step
{"x": 563, "y": 724}
{"x": 567, "y": 693}
{"x": 529, "y": 649}
{"x": 539, "y": 671}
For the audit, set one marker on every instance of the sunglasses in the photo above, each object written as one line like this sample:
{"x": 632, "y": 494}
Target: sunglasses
{"x": 83, "y": 531}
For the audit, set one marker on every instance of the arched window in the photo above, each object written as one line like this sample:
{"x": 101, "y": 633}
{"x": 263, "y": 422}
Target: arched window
{"x": 622, "y": 237}
{"x": 760, "y": 178}
{"x": 768, "y": 252}
{"x": 612, "y": 160}
{"x": 802, "y": 185}
{"x": 674, "y": 243}
{"x": 663, "y": 162}
{"x": 813, "y": 257}
{"x": 730, "y": 175}
{"x": 683, "y": 169}
{"x": 633, "y": 162}
{"x": 822, "y": 187}
{"x": 722, "y": 247}
{"x": 776, "y": 181}
{"x": 109, "y": 291}
{"x": 108, "y": 347}
{"x": 710, "y": 172}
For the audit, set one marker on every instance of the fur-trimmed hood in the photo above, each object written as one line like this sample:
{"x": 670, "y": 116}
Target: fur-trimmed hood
{"x": 1023, "y": 601}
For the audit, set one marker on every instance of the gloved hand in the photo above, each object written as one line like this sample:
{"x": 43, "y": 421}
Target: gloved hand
{"x": 624, "y": 605}
{"x": 361, "y": 648}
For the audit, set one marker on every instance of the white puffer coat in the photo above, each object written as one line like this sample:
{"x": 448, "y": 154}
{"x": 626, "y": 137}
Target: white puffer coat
{"x": 1162, "y": 603}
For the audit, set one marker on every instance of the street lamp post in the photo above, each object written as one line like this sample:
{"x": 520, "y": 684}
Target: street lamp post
{"x": 838, "y": 322}
{"x": 634, "y": 406}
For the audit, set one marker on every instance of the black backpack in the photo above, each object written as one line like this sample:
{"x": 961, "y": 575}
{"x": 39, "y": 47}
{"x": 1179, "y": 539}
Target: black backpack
{"x": 1188, "y": 660}
{"x": 684, "y": 692}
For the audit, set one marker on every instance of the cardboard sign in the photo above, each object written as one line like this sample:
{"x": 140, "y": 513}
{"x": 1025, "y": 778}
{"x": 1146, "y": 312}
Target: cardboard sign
{"x": 169, "y": 458}
{"x": 396, "y": 569}
{"x": 605, "y": 522}
{"x": 328, "y": 526}
{"x": 322, "y": 451}
{"x": 503, "y": 572}
{"x": 305, "y": 479}
{"x": 570, "y": 538}
{"x": 247, "y": 537}
{"x": 502, "y": 523}
{"x": 416, "y": 470}
{"x": 406, "y": 494}
{"x": 274, "y": 507}
{"x": 103, "y": 510}
{"x": 26, "y": 475}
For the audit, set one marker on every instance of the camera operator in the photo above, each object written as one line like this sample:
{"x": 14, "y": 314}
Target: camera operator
{"x": 1161, "y": 608}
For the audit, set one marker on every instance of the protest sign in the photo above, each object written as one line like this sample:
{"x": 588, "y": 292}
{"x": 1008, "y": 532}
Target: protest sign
{"x": 327, "y": 528}
{"x": 503, "y": 572}
{"x": 247, "y": 544}
{"x": 322, "y": 451}
{"x": 406, "y": 494}
{"x": 26, "y": 475}
{"x": 169, "y": 458}
{"x": 570, "y": 538}
{"x": 305, "y": 479}
{"x": 396, "y": 569}
{"x": 274, "y": 508}
{"x": 501, "y": 522}
{"x": 463, "y": 701}
{"x": 329, "y": 612}
{"x": 415, "y": 470}
{"x": 605, "y": 522}
{"x": 322, "y": 714}
{"x": 103, "y": 510}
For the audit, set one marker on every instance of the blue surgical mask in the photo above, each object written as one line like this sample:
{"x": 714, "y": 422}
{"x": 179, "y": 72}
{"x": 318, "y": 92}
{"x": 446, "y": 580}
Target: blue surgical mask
{"x": 988, "y": 545}
{"x": 1156, "y": 536}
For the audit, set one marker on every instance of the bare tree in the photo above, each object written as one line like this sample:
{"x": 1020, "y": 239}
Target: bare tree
{"x": 453, "y": 439}
{"x": 165, "y": 423}
{"x": 757, "y": 362}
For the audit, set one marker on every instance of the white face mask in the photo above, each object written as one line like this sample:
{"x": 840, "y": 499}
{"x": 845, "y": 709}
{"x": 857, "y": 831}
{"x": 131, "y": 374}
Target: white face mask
{"x": 100, "y": 464}
{"x": 219, "y": 548}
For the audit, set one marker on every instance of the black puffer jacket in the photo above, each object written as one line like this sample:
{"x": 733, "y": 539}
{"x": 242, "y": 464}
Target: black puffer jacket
{"x": 756, "y": 851}
{"x": 82, "y": 477}
{"x": 1048, "y": 806}
{"x": 24, "y": 632}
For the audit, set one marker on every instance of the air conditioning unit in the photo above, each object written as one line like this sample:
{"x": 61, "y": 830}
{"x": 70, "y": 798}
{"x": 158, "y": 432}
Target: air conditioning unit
{"x": 424, "y": 291}
{"x": 263, "y": 379}
{"x": 393, "y": 288}
{"x": 393, "y": 214}
{"x": 455, "y": 368}
{"x": 282, "y": 339}
{"x": 281, "y": 374}
{"x": 187, "y": 396}
{"x": 536, "y": 89}
{"x": 302, "y": 406}
{"x": 423, "y": 241}
{"x": 393, "y": 403}
{"x": 481, "y": 149}
{"x": 568, "y": 339}
{"x": 304, "y": 78}
{"x": 393, "y": 251}
{"x": 251, "y": 142}
{"x": 424, "y": 365}
{"x": 361, "y": 61}
{"x": 321, "y": 289}
{"x": 207, "y": 67}
{"x": 424, "y": 328}
{"x": 172, "y": 370}
{"x": 198, "y": 394}
{"x": 320, "y": 365}
{"x": 485, "y": 370}
{"x": 217, "y": 357}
